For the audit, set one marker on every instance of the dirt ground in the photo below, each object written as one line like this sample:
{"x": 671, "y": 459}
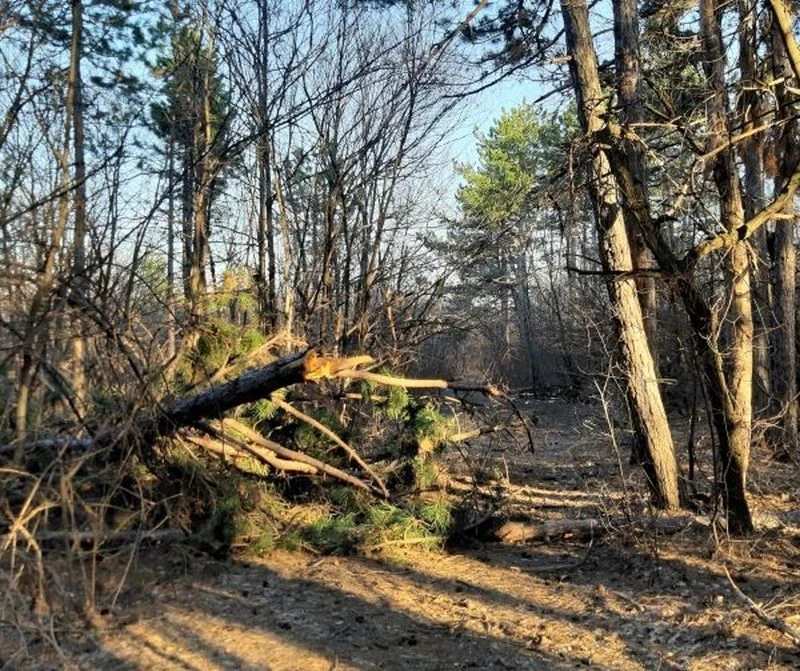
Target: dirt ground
{"x": 625, "y": 600}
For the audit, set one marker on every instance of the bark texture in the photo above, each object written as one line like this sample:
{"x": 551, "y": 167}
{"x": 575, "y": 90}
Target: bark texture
{"x": 649, "y": 416}
{"x": 785, "y": 406}
{"x": 738, "y": 394}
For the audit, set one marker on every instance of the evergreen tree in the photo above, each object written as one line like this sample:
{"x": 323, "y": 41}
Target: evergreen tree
{"x": 194, "y": 121}
{"x": 508, "y": 202}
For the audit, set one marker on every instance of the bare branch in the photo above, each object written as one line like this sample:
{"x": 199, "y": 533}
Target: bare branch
{"x": 286, "y": 407}
{"x": 772, "y": 622}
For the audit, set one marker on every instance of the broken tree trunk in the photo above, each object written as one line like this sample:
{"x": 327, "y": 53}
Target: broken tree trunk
{"x": 196, "y": 411}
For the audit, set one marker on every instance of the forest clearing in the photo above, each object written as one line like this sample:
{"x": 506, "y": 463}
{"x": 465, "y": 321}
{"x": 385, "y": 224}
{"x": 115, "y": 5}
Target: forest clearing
{"x": 402, "y": 334}
{"x": 626, "y": 599}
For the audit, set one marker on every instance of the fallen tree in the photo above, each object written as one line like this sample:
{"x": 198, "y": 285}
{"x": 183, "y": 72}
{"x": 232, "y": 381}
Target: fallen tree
{"x": 199, "y": 411}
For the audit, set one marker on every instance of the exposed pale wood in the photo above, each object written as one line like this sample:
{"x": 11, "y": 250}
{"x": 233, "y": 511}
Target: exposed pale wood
{"x": 392, "y": 381}
{"x": 590, "y": 527}
{"x": 318, "y": 367}
{"x": 219, "y": 431}
{"x": 227, "y": 450}
{"x": 286, "y": 407}
{"x": 781, "y": 12}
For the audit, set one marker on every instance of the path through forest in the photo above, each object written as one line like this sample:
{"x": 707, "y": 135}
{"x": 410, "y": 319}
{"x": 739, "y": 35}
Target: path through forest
{"x": 626, "y": 600}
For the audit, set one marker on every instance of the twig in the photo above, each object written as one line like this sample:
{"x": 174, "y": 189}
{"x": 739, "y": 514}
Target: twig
{"x": 403, "y": 541}
{"x": 772, "y": 622}
{"x": 104, "y": 535}
{"x": 226, "y": 449}
{"x": 286, "y": 407}
{"x": 590, "y": 527}
{"x": 525, "y": 421}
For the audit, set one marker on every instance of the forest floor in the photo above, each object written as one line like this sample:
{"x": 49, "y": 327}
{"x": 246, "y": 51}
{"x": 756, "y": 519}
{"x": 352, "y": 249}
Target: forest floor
{"x": 629, "y": 599}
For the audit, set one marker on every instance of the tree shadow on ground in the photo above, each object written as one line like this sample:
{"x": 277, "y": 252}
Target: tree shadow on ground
{"x": 249, "y": 616}
{"x": 619, "y": 606}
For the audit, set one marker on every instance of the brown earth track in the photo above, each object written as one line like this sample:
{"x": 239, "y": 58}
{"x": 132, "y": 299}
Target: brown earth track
{"x": 626, "y": 601}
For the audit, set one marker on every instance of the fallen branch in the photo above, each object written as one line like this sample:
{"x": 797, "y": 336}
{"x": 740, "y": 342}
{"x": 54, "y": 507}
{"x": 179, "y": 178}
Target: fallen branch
{"x": 390, "y": 380}
{"x": 79, "y": 537}
{"x": 227, "y": 450}
{"x": 591, "y": 527}
{"x": 772, "y": 622}
{"x": 250, "y": 386}
{"x": 413, "y": 383}
{"x": 286, "y": 407}
{"x": 281, "y": 451}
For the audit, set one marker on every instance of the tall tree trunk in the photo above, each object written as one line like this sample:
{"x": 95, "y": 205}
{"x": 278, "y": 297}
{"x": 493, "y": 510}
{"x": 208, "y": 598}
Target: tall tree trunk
{"x": 187, "y": 236}
{"x": 201, "y": 201}
{"x": 750, "y": 113}
{"x": 75, "y": 105}
{"x": 171, "y": 302}
{"x": 265, "y": 233}
{"x": 524, "y": 309}
{"x": 649, "y": 416}
{"x": 287, "y": 316}
{"x": 785, "y": 261}
{"x": 735, "y": 452}
{"x": 627, "y": 60}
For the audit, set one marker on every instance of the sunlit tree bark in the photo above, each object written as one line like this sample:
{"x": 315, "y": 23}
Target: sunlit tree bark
{"x": 637, "y": 362}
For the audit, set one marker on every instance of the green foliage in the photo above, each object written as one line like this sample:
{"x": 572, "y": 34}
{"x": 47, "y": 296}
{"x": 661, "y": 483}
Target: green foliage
{"x": 265, "y": 409}
{"x": 425, "y": 471}
{"x": 253, "y": 466}
{"x": 388, "y": 523}
{"x": 332, "y": 534}
{"x": 367, "y": 389}
{"x": 350, "y": 500}
{"x": 437, "y": 514}
{"x": 235, "y": 297}
{"x": 262, "y": 411}
{"x": 429, "y": 425}
{"x": 151, "y": 288}
{"x": 309, "y": 439}
{"x": 506, "y": 198}
{"x": 225, "y": 523}
{"x": 396, "y": 407}
{"x": 217, "y": 344}
{"x": 190, "y": 63}
{"x": 355, "y": 522}
{"x": 291, "y": 540}
{"x": 517, "y": 158}
{"x": 251, "y": 340}
{"x": 263, "y": 544}
{"x": 383, "y": 515}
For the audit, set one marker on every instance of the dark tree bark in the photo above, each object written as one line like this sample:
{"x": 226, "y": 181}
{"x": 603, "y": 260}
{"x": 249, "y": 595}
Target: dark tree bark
{"x": 728, "y": 381}
{"x": 783, "y": 335}
{"x": 628, "y": 67}
{"x": 75, "y": 105}
{"x": 265, "y": 231}
{"x": 738, "y": 396}
{"x": 750, "y": 111}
